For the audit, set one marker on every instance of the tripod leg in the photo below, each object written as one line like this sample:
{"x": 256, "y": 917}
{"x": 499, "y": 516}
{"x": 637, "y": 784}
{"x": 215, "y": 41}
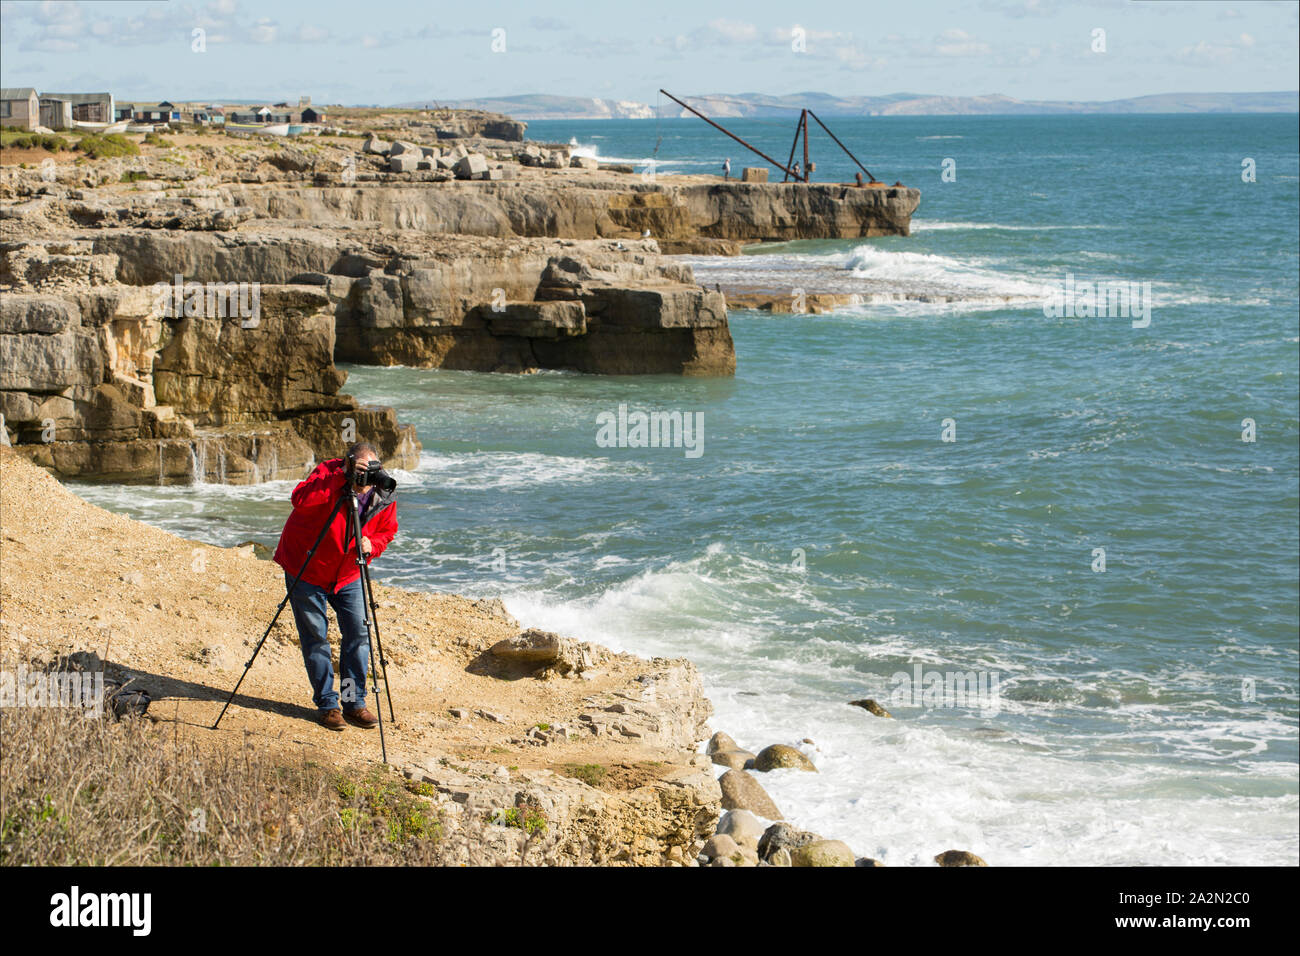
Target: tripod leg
{"x": 374, "y": 671}
{"x": 374, "y": 689}
{"x": 368, "y": 593}
{"x": 366, "y": 617}
{"x": 288, "y": 594}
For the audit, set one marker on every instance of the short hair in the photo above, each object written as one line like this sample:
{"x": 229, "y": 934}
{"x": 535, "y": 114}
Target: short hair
{"x": 356, "y": 448}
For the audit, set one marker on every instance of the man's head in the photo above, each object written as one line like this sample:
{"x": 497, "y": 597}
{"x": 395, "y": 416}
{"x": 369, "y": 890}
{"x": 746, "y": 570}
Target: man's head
{"x": 359, "y": 457}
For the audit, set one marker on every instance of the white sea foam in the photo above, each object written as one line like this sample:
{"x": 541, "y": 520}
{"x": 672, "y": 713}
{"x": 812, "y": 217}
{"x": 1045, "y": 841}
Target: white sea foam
{"x": 937, "y": 272}
{"x": 195, "y": 498}
{"x": 877, "y": 276}
{"x": 487, "y": 470}
{"x": 661, "y": 164}
{"x": 903, "y": 790}
{"x": 918, "y": 281}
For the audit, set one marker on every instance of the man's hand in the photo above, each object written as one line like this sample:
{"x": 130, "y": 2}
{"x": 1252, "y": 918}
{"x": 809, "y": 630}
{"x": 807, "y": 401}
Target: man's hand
{"x": 365, "y": 545}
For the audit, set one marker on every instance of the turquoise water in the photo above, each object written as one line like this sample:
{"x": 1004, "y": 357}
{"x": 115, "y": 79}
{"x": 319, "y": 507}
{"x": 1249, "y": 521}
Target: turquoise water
{"x": 827, "y": 538}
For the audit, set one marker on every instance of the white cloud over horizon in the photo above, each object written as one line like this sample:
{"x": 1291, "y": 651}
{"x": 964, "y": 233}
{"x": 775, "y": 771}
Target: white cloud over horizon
{"x": 1029, "y": 49}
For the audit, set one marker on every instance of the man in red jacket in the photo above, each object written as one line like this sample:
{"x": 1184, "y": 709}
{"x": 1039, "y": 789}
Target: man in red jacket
{"x": 332, "y": 578}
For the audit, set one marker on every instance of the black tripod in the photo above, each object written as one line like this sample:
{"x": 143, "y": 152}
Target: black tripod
{"x": 370, "y": 612}
{"x": 369, "y": 608}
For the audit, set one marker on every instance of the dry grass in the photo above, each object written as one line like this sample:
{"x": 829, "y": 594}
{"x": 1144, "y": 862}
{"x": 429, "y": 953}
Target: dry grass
{"x": 101, "y": 792}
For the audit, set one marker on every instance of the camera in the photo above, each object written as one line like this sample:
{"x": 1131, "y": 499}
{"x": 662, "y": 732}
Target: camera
{"x": 372, "y": 474}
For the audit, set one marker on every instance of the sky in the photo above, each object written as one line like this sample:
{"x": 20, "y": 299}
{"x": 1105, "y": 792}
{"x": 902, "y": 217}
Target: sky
{"x": 392, "y": 51}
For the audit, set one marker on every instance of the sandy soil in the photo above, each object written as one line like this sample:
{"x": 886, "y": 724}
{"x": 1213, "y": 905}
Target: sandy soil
{"x": 183, "y": 618}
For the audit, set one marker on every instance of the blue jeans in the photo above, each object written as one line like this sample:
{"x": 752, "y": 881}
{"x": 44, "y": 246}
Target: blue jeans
{"x": 309, "y": 613}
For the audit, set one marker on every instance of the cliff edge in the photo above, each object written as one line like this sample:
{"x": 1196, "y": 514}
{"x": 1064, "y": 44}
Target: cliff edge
{"x": 485, "y": 731}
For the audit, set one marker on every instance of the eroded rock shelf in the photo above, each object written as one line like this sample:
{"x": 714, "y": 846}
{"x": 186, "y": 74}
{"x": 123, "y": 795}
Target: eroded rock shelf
{"x": 489, "y": 257}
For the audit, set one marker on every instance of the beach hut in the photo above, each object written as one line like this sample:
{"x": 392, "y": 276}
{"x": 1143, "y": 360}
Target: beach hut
{"x": 93, "y": 109}
{"x": 55, "y": 113}
{"x": 19, "y": 106}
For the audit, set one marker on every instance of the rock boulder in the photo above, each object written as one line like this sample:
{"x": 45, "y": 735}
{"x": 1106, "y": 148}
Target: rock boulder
{"x": 822, "y": 853}
{"x": 780, "y": 756}
{"x": 740, "y": 791}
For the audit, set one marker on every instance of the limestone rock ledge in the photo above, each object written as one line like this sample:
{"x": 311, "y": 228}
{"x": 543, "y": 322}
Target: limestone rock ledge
{"x": 468, "y": 303}
{"x": 96, "y": 383}
{"x": 598, "y": 206}
{"x": 661, "y": 824}
{"x": 659, "y": 818}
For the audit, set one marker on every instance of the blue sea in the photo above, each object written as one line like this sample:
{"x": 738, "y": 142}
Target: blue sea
{"x": 1095, "y": 516}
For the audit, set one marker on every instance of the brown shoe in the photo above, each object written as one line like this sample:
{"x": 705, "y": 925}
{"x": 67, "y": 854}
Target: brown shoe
{"x": 361, "y": 717}
{"x": 331, "y": 719}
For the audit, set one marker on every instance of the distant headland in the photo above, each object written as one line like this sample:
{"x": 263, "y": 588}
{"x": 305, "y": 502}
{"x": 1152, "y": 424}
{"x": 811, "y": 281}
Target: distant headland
{"x": 539, "y": 106}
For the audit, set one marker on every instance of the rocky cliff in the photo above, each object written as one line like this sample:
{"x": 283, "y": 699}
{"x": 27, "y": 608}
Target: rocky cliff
{"x": 481, "y": 304}
{"x": 601, "y": 205}
{"x": 95, "y": 382}
{"x": 596, "y": 746}
{"x": 505, "y": 260}
{"x": 443, "y": 124}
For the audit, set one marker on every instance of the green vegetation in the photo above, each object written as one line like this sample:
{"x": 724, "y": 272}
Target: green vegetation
{"x": 381, "y": 803}
{"x": 592, "y": 774}
{"x": 24, "y": 140}
{"x": 107, "y": 146}
{"x": 527, "y": 818}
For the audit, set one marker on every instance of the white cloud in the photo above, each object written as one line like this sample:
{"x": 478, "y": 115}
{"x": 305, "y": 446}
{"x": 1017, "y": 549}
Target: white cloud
{"x": 716, "y": 33}
{"x": 959, "y": 43}
{"x": 59, "y": 27}
{"x": 1017, "y": 9}
{"x": 263, "y": 31}
{"x": 732, "y": 31}
{"x": 1205, "y": 53}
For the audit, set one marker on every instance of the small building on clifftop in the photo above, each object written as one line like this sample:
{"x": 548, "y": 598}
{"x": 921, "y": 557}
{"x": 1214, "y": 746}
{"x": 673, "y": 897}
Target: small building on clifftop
{"x": 20, "y": 107}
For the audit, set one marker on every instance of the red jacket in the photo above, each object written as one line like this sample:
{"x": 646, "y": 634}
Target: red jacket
{"x": 331, "y": 567}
